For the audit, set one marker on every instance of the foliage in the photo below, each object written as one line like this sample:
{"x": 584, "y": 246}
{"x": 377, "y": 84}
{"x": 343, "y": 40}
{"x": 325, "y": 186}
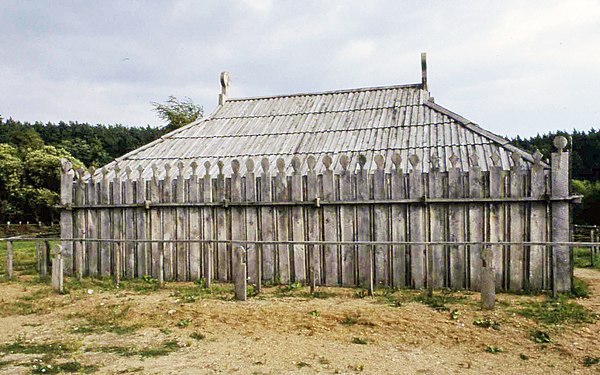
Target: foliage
{"x": 587, "y": 211}
{"x": 555, "y": 311}
{"x": 177, "y": 113}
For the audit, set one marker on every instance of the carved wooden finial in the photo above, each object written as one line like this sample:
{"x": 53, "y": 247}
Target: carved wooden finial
{"x": 280, "y": 165}
{"x": 168, "y": 167}
{"x": 454, "y": 160}
{"x": 537, "y": 157}
{"x": 435, "y": 161}
{"x": 379, "y": 161}
{"x": 327, "y": 161}
{"x": 250, "y": 165}
{"x": 474, "y": 159}
{"x": 264, "y": 163}
{"x": 311, "y": 162}
{"x": 128, "y": 172}
{"x": 220, "y": 166}
{"x": 92, "y": 172}
{"x": 194, "y": 166}
{"x": 154, "y": 170}
{"x": 495, "y": 158}
{"x": 80, "y": 173}
{"x": 140, "y": 171}
{"x": 362, "y": 161}
{"x": 560, "y": 143}
{"x": 344, "y": 162}
{"x": 207, "y": 168}
{"x": 235, "y": 166}
{"x": 65, "y": 165}
{"x": 397, "y": 160}
{"x": 104, "y": 172}
{"x": 516, "y": 158}
{"x": 117, "y": 169}
{"x": 414, "y": 160}
{"x": 296, "y": 163}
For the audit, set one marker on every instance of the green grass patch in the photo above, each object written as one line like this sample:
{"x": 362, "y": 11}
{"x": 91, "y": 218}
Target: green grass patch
{"x": 359, "y": 341}
{"x": 540, "y": 337}
{"x": 494, "y": 349}
{"x": 440, "y": 301}
{"x": 556, "y": 311}
{"x": 166, "y": 348}
{"x": 24, "y": 261}
{"x": 50, "y": 349}
{"x": 582, "y": 258}
{"x": 590, "y": 361}
{"x": 67, "y": 367}
{"x": 197, "y": 336}
{"x": 580, "y": 289}
{"x": 110, "y": 318}
{"x": 487, "y": 323}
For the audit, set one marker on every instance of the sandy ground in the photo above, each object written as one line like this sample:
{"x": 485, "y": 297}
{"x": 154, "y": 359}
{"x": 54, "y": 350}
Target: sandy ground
{"x": 276, "y": 334}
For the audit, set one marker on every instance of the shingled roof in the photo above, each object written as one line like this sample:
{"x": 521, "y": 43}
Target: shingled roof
{"x": 379, "y": 120}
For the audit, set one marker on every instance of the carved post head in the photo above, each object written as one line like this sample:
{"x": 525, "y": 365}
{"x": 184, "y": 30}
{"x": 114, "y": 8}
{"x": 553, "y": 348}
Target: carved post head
{"x": 311, "y": 162}
{"x": 264, "y": 163}
{"x": 250, "y": 165}
{"x": 327, "y": 161}
{"x": 344, "y": 162}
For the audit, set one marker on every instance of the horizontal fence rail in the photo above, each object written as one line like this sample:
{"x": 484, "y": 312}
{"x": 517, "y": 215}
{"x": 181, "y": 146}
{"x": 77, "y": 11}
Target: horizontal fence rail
{"x": 405, "y": 229}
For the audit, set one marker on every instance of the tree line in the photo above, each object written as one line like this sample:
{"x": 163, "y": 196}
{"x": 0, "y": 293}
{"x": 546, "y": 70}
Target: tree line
{"x": 30, "y": 156}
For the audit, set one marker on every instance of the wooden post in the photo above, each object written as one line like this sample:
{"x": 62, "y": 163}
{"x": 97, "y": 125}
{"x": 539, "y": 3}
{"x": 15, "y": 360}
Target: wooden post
{"x": 593, "y": 248}
{"x": 155, "y": 226}
{"x": 105, "y": 233}
{"x": 92, "y": 218}
{"x": 561, "y": 255}
{"x": 239, "y": 274}
{"x": 382, "y": 254}
{"x": 538, "y": 228}
{"x": 267, "y": 232}
{"x": 44, "y": 258}
{"x": 497, "y": 230}
{"x": 456, "y": 225}
{"x": 438, "y": 217}
{"x": 66, "y": 215}
{"x": 58, "y": 269}
{"x": 223, "y": 256}
{"x": 429, "y": 270}
{"x": 116, "y": 226}
{"x": 516, "y": 259}
{"x": 347, "y": 224}
{"x": 141, "y": 219}
{"x": 418, "y": 229}
{"x": 169, "y": 221}
{"x": 253, "y": 251}
{"x": 298, "y": 251}
{"x": 488, "y": 284}
{"x": 330, "y": 228}
{"x": 38, "y": 256}
{"x": 129, "y": 227}
{"x": 399, "y": 220}
{"x": 314, "y": 225}
{"x": 283, "y": 232}
{"x": 207, "y": 227}
{"x": 181, "y": 267}
{"x": 79, "y": 217}
{"x": 476, "y": 222}
{"x": 9, "y": 260}
{"x": 195, "y": 225}
{"x": 363, "y": 226}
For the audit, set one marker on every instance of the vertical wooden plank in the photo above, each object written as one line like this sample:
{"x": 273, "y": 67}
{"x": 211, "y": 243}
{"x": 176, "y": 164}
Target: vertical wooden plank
{"x": 105, "y": 229}
{"x": 561, "y": 255}
{"x": 208, "y": 227}
{"x": 38, "y": 256}
{"x": 91, "y": 198}
{"x": 314, "y": 222}
{"x": 253, "y": 263}
{"x": 66, "y": 214}
{"x": 330, "y": 228}
{"x": 194, "y": 212}
{"x": 182, "y": 228}
{"x": 79, "y": 225}
{"x": 347, "y": 224}
{"x": 457, "y": 233}
{"x": 476, "y": 223}
{"x": 9, "y": 260}
{"x": 239, "y": 273}
{"x": 169, "y": 229}
{"x": 267, "y": 224}
{"x": 237, "y": 226}
{"x": 223, "y": 259}
{"x": 155, "y": 224}
{"x": 488, "y": 284}
{"x": 418, "y": 229}
{"x": 298, "y": 251}
{"x": 497, "y": 219}
{"x": 141, "y": 248}
{"x": 58, "y": 269}
{"x": 283, "y": 233}
{"x": 117, "y": 225}
{"x": 398, "y": 223}
{"x": 382, "y": 254}
{"x": 538, "y": 231}
{"x": 437, "y": 225}
{"x": 516, "y": 228}
{"x": 363, "y": 226}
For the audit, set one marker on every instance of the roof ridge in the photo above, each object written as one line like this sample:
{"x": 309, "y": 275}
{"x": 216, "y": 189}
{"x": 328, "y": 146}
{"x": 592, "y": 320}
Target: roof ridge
{"x": 343, "y": 91}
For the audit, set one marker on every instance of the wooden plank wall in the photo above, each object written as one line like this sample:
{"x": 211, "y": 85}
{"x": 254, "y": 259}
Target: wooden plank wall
{"x": 206, "y": 209}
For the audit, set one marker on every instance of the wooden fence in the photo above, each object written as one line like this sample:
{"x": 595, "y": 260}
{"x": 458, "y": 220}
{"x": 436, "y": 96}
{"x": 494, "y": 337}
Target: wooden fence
{"x": 527, "y": 203}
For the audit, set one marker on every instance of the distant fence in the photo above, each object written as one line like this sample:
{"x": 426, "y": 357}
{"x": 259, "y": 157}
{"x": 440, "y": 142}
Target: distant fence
{"x": 345, "y": 209}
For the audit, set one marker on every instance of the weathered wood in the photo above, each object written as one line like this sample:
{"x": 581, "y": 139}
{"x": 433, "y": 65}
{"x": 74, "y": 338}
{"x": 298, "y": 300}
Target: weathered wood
{"x": 66, "y": 216}
{"x": 313, "y": 224}
{"x": 79, "y": 225}
{"x": 417, "y": 226}
{"x": 58, "y": 269}
{"x": 298, "y": 251}
{"x": 381, "y": 214}
{"x": 561, "y": 255}
{"x": 169, "y": 220}
{"x": 347, "y": 219}
{"x": 497, "y": 219}
{"x": 399, "y": 222}
{"x": 283, "y": 232}
{"x": 253, "y": 262}
{"x": 117, "y": 227}
{"x": 364, "y": 253}
{"x": 238, "y": 231}
{"x": 488, "y": 284}
{"x": 91, "y": 253}
{"x": 456, "y": 225}
{"x": 516, "y": 231}
{"x": 194, "y": 225}
{"x": 330, "y": 228}
{"x": 223, "y": 259}
{"x": 239, "y": 274}
{"x": 38, "y": 257}
{"x": 105, "y": 228}
{"x": 208, "y": 228}
{"x": 267, "y": 232}
{"x": 9, "y": 260}
{"x": 538, "y": 257}
{"x": 181, "y": 249}
{"x": 438, "y": 217}
{"x": 155, "y": 225}
{"x": 476, "y": 224}
{"x": 141, "y": 218}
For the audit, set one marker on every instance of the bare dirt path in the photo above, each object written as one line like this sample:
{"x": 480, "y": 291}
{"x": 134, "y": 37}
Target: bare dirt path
{"x": 174, "y": 331}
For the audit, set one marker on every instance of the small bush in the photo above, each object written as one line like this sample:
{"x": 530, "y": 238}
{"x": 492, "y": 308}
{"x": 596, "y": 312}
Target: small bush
{"x": 540, "y": 337}
{"x": 557, "y": 311}
{"x": 359, "y": 341}
{"x": 487, "y": 323}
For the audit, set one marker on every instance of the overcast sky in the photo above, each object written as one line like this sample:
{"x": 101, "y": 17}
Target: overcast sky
{"x": 514, "y": 67}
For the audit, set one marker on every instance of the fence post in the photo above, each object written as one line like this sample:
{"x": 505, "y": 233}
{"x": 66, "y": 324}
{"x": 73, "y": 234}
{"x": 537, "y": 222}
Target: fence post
{"x": 487, "y": 280}
{"x": 66, "y": 216}
{"x": 9, "y": 260}
{"x": 592, "y": 248}
{"x": 561, "y": 255}
{"x": 58, "y": 269}
{"x": 239, "y": 274}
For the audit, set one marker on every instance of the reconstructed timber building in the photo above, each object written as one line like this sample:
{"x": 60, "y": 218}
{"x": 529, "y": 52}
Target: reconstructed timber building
{"x": 384, "y": 164}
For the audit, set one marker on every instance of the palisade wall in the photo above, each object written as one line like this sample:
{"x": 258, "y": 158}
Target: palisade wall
{"x": 528, "y": 203}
